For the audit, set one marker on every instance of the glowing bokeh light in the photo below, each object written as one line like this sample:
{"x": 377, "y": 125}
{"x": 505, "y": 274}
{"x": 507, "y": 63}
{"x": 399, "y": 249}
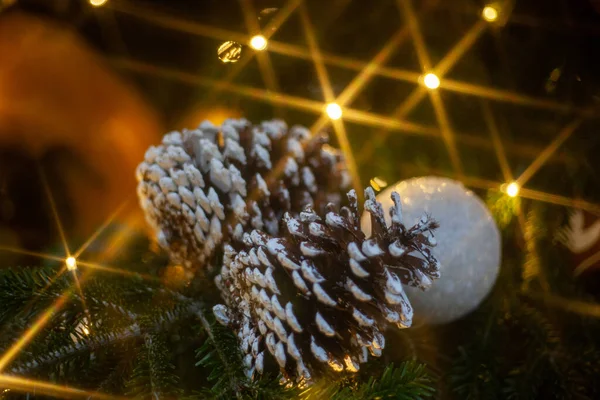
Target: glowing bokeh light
{"x": 431, "y": 81}
{"x": 71, "y": 263}
{"x": 512, "y": 189}
{"x": 334, "y": 111}
{"x": 258, "y": 42}
{"x": 98, "y": 3}
{"x": 489, "y": 13}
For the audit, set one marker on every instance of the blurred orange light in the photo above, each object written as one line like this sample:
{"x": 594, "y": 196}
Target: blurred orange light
{"x": 489, "y": 13}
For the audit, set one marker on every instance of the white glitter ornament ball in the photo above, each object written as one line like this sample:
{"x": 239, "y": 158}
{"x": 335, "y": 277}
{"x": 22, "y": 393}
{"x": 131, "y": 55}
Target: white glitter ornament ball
{"x": 468, "y": 245}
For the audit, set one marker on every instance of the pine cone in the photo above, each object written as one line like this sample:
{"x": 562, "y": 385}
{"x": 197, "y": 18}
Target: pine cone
{"x": 208, "y": 185}
{"x": 318, "y": 297}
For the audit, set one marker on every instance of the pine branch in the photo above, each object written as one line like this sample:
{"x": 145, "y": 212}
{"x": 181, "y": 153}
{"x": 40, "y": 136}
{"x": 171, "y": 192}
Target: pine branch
{"x": 220, "y": 354}
{"x": 408, "y": 381}
{"x": 153, "y": 376}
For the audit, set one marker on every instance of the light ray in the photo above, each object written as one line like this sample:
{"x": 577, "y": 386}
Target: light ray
{"x": 118, "y": 271}
{"x": 560, "y": 200}
{"x": 24, "y": 385}
{"x": 32, "y": 253}
{"x": 424, "y": 59}
{"x": 316, "y": 55}
{"x": 587, "y": 263}
{"x": 264, "y": 61}
{"x": 447, "y": 134}
{"x": 100, "y": 229}
{"x": 351, "y": 115}
{"x": 506, "y": 96}
{"x": 325, "y": 83}
{"x": 371, "y": 70}
{"x": 443, "y": 67}
{"x": 460, "y": 49}
{"x": 300, "y": 52}
{"x": 33, "y": 330}
{"x": 575, "y": 306}
{"x": 498, "y": 147}
{"x": 548, "y": 151}
{"x": 415, "y": 32}
{"x": 59, "y": 226}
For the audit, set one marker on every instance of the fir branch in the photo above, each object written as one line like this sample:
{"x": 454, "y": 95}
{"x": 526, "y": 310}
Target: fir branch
{"x": 153, "y": 376}
{"x": 220, "y": 354}
{"x": 408, "y": 381}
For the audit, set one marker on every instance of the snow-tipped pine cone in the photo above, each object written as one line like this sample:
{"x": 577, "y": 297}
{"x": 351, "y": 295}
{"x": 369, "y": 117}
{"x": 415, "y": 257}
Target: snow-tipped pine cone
{"x": 318, "y": 297}
{"x": 208, "y": 185}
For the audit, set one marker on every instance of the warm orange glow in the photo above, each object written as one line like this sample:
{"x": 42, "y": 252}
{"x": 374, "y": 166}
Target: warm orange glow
{"x": 334, "y": 111}
{"x": 489, "y": 13}
{"x": 258, "y": 42}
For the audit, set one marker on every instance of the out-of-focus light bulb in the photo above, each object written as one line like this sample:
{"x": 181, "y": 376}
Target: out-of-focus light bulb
{"x": 334, "y": 111}
{"x": 71, "y": 263}
{"x": 97, "y": 3}
{"x": 489, "y": 13}
{"x": 431, "y": 81}
{"x": 258, "y": 42}
{"x": 512, "y": 189}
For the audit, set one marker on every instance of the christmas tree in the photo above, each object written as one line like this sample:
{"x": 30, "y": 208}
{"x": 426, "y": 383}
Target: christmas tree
{"x": 252, "y": 275}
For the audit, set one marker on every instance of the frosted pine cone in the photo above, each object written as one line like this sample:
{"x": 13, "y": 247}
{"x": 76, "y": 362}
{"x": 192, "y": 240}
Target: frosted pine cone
{"x": 203, "y": 186}
{"x": 318, "y": 297}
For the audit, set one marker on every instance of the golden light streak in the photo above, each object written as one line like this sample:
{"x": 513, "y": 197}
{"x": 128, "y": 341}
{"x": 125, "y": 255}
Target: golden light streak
{"x": 442, "y": 68}
{"x": 59, "y": 226}
{"x": 460, "y": 49}
{"x": 417, "y": 36}
{"x": 560, "y": 200}
{"x": 30, "y": 333}
{"x": 506, "y": 96}
{"x": 369, "y": 71}
{"x": 117, "y": 271}
{"x": 498, "y": 147}
{"x": 316, "y": 55}
{"x": 259, "y": 42}
{"x": 25, "y": 385}
{"x": 575, "y": 306}
{"x": 32, "y": 253}
{"x": 436, "y": 99}
{"x": 195, "y": 28}
{"x": 339, "y": 129}
{"x": 446, "y": 129}
{"x": 351, "y": 115}
{"x": 100, "y": 229}
{"x": 587, "y": 263}
{"x": 548, "y": 152}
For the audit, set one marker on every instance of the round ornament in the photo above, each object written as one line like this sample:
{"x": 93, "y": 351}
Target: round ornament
{"x": 230, "y": 52}
{"x": 468, "y": 245}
